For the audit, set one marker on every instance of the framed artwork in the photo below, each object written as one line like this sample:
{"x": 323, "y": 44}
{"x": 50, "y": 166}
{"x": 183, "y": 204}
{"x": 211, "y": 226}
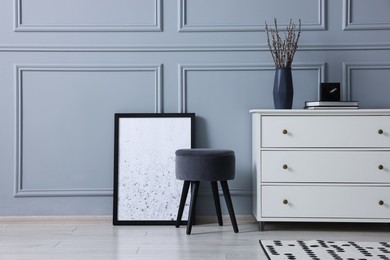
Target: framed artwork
{"x": 146, "y": 190}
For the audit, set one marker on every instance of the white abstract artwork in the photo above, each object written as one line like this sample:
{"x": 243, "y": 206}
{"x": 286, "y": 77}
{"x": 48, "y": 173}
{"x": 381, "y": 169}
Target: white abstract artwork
{"x": 146, "y": 185}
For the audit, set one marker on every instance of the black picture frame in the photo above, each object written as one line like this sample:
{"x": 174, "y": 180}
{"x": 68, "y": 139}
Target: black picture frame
{"x": 146, "y": 191}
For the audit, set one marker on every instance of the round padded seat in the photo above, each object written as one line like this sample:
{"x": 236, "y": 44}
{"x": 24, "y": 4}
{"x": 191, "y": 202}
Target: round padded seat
{"x": 205, "y": 165}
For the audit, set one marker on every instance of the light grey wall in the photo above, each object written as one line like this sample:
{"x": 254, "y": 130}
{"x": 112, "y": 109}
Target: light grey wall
{"x": 66, "y": 66}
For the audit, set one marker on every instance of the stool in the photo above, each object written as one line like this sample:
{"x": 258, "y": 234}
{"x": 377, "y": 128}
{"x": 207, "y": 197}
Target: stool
{"x": 195, "y": 165}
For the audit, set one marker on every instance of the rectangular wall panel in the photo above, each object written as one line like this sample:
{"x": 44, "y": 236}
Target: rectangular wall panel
{"x": 364, "y": 15}
{"x": 227, "y": 92}
{"x": 65, "y": 125}
{"x": 88, "y": 15}
{"x": 236, "y": 15}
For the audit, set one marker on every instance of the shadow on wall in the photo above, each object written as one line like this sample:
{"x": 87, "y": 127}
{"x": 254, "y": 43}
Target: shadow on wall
{"x": 201, "y": 136}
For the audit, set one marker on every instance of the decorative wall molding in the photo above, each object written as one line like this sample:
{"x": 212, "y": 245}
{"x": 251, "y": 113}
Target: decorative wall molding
{"x": 189, "y": 47}
{"x": 20, "y": 191}
{"x": 184, "y": 68}
{"x": 154, "y": 26}
{"x": 349, "y": 67}
{"x": 348, "y": 25}
{"x": 183, "y": 26}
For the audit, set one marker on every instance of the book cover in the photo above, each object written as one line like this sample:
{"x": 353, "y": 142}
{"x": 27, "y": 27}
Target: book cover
{"x": 330, "y": 107}
{"x": 331, "y": 103}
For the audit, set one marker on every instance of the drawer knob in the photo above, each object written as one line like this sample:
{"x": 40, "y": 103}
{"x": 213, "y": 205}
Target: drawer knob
{"x": 284, "y": 131}
{"x": 380, "y": 131}
{"x": 381, "y": 202}
{"x": 380, "y": 167}
{"x": 285, "y": 166}
{"x": 285, "y": 202}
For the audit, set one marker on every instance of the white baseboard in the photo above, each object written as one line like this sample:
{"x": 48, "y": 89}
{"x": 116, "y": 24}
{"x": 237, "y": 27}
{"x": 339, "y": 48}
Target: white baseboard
{"x": 49, "y": 219}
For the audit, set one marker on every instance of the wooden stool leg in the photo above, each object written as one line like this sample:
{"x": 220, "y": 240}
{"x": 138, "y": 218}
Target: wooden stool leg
{"x": 186, "y": 186}
{"x": 214, "y": 188}
{"x": 229, "y": 204}
{"x": 191, "y": 215}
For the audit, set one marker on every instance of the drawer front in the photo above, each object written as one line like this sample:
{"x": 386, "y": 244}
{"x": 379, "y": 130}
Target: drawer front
{"x": 325, "y": 131}
{"x": 325, "y": 202}
{"x": 325, "y": 166}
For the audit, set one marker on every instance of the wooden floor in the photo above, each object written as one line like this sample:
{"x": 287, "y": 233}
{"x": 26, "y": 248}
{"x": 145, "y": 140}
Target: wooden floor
{"x": 95, "y": 238}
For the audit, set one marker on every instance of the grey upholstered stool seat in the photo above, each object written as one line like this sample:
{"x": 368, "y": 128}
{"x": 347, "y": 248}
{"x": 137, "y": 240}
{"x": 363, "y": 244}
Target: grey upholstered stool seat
{"x": 195, "y": 165}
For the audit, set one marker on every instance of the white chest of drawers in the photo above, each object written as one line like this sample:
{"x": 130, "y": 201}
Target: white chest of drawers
{"x": 321, "y": 165}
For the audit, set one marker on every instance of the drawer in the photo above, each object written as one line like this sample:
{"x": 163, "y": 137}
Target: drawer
{"x": 325, "y": 166}
{"x": 325, "y": 131}
{"x": 325, "y": 202}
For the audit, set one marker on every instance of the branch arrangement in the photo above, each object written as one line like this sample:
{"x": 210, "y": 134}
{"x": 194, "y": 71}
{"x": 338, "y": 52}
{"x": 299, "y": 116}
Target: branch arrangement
{"x": 283, "y": 50}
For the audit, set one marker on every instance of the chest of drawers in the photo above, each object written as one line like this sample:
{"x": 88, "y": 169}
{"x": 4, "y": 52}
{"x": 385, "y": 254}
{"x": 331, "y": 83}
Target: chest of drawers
{"x": 321, "y": 165}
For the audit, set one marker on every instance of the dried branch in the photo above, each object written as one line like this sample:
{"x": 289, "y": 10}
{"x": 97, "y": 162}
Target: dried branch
{"x": 283, "y": 51}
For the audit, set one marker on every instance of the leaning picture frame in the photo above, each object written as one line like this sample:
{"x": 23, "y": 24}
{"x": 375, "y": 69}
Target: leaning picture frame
{"x": 146, "y": 190}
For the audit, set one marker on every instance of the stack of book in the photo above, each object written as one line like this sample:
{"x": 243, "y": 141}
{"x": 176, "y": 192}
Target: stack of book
{"x": 331, "y": 105}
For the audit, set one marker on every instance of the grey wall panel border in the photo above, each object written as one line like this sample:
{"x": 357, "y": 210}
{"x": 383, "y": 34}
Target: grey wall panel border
{"x": 22, "y": 192}
{"x": 348, "y": 25}
{"x": 349, "y": 67}
{"x": 188, "y": 47}
{"x": 184, "y": 68}
{"x": 373, "y": 46}
{"x": 184, "y": 27}
{"x": 19, "y": 26}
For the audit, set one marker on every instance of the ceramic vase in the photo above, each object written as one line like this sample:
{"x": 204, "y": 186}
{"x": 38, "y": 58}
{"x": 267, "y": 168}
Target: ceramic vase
{"x": 283, "y": 88}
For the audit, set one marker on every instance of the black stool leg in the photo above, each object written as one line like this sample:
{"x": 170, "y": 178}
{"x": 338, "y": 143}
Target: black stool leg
{"x": 214, "y": 188}
{"x": 229, "y": 204}
{"x": 186, "y": 186}
{"x": 191, "y": 214}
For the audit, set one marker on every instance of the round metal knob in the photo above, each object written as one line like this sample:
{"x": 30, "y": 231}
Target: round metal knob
{"x": 380, "y": 131}
{"x": 285, "y": 166}
{"x": 285, "y": 202}
{"x": 284, "y": 131}
{"x": 380, "y": 167}
{"x": 381, "y": 202}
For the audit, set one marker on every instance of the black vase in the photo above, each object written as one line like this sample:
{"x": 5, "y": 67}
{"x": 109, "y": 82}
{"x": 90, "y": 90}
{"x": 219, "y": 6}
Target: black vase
{"x": 283, "y": 88}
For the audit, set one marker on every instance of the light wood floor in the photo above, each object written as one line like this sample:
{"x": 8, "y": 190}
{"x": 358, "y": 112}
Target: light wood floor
{"x": 96, "y": 238}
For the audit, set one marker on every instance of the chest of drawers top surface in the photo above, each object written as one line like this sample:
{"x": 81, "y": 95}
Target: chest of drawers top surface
{"x": 276, "y": 112}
